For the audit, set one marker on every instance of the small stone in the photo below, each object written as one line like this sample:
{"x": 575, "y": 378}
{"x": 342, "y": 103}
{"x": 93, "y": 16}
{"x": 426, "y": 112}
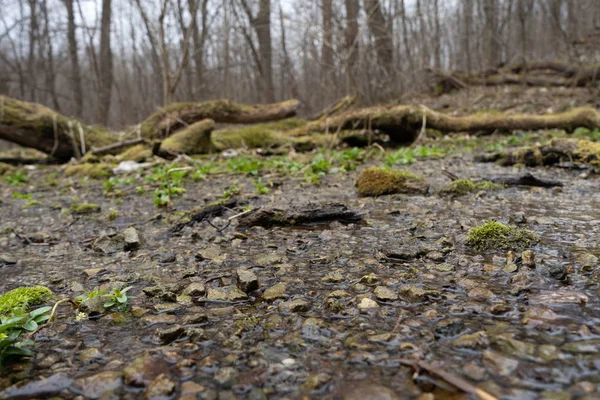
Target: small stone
{"x": 169, "y": 334}
{"x": 528, "y": 259}
{"x": 437, "y": 256}
{"x": 477, "y": 340}
{"x": 333, "y": 277}
{"x": 92, "y": 272}
{"x": 195, "y": 319}
{"x": 226, "y": 377}
{"x": 367, "y": 390}
{"x": 7, "y": 259}
{"x": 109, "y": 245}
{"x": 132, "y": 239}
{"x": 195, "y": 334}
{"x": 297, "y": 305}
{"x": 141, "y": 371}
{"x": 227, "y": 293}
{"x": 92, "y": 353}
{"x": 95, "y": 386}
{"x": 158, "y": 319}
{"x": 370, "y": 279}
{"x": 161, "y": 387}
{"x": 480, "y": 293}
{"x": 537, "y": 315}
{"x": 275, "y": 292}
{"x": 498, "y": 364}
{"x": 588, "y": 262}
{"x": 416, "y": 294}
{"x": 247, "y": 280}
{"x": 518, "y": 218}
{"x": 164, "y": 257}
{"x": 338, "y": 294}
{"x": 511, "y": 257}
{"x": 548, "y": 352}
{"x": 510, "y": 268}
{"x": 288, "y": 362}
{"x": 384, "y": 293}
{"x": 314, "y": 382}
{"x": 443, "y": 267}
{"x": 591, "y": 346}
{"x": 195, "y": 289}
{"x": 367, "y": 305}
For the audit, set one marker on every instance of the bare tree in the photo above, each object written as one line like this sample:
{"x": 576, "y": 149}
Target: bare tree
{"x": 74, "y": 56}
{"x": 491, "y": 45}
{"x": 105, "y": 80}
{"x": 379, "y": 27}
{"x": 352, "y": 39}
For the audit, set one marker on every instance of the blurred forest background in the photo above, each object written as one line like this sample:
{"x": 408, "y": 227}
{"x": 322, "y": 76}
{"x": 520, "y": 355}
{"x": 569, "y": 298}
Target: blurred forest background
{"x": 114, "y": 62}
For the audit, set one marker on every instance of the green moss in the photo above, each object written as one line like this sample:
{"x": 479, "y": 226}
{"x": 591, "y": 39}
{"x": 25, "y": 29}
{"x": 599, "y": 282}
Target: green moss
{"x": 257, "y": 136}
{"x": 84, "y": 208}
{"x": 23, "y": 297}
{"x": 6, "y": 169}
{"x": 463, "y": 187}
{"x": 95, "y": 171}
{"x": 588, "y": 152}
{"x": 195, "y": 139}
{"x": 493, "y": 235}
{"x": 137, "y": 153}
{"x": 377, "y": 182}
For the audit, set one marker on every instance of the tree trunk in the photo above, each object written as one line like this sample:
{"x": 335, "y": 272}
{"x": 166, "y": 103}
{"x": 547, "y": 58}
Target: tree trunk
{"x": 33, "y": 36}
{"x": 491, "y": 45}
{"x": 327, "y": 45}
{"x": 351, "y": 38}
{"x": 262, "y": 26}
{"x": 105, "y": 80}
{"x": 468, "y": 23}
{"x": 73, "y": 55}
{"x": 379, "y": 28}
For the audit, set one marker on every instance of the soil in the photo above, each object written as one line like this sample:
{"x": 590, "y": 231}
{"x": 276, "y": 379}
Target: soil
{"x": 337, "y": 306}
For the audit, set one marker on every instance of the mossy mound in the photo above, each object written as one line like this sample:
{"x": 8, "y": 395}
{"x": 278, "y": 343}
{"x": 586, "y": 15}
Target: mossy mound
{"x": 462, "y": 187}
{"x": 84, "y": 208}
{"x": 95, "y": 171}
{"x": 137, "y": 153}
{"x": 257, "y": 136}
{"x": 494, "y": 235}
{"x": 5, "y": 169}
{"x": 555, "y": 151}
{"x": 195, "y": 139}
{"x": 23, "y": 297}
{"x": 377, "y": 182}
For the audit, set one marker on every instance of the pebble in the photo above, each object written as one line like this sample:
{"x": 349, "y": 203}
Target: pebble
{"x": 247, "y": 280}
{"x": 384, "y": 293}
{"x": 161, "y": 387}
{"x": 275, "y": 292}
{"x": 228, "y": 293}
{"x": 95, "y": 386}
{"x": 169, "y": 334}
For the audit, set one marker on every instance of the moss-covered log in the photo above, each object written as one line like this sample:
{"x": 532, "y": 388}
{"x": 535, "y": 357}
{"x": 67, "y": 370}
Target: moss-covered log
{"x": 33, "y": 125}
{"x": 555, "y": 151}
{"x": 404, "y": 123}
{"x": 195, "y": 139}
{"x": 177, "y": 115}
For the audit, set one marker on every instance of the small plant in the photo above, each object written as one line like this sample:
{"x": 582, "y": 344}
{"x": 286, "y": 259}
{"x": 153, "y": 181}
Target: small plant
{"x": 11, "y": 328}
{"x": 261, "y": 187}
{"x": 17, "y": 178}
{"x": 90, "y": 295}
{"x": 118, "y": 299}
{"x": 22, "y": 196}
{"x": 113, "y": 214}
{"x": 319, "y": 167}
{"x": 114, "y": 185}
{"x": 247, "y": 165}
{"x": 231, "y": 191}
{"x": 169, "y": 180}
{"x": 201, "y": 172}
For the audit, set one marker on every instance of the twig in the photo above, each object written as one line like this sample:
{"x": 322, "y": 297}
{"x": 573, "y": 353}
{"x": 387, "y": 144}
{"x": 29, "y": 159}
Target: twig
{"x": 72, "y": 355}
{"x": 453, "y": 177}
{"x": 73, "y": 141}
{"x": 217, "y": 228}
{"x": 55, "y": 127}
{"x": 239, "y": 215}
{"x": 452, "y": 379}
{"x": 115, "y": 146}
{"x": 81, "y": 138}
{"x": 51, "y": 315}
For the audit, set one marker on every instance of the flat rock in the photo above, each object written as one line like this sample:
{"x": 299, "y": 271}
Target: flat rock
{"x": 141, "y": 371}
{"x": 109, "y": 245}
{"x": 169, "y": 334}
{"x": 297, "y": 305}
{"x": 227, "y": 293}
{"x": 95, "y": 386}
{"x": 44, "y": 387}
{"x": 384, "y": 293}
{"x": 161, "y": 387}
{"x": 195, "y": 289}
{"x": 275, "y": 292}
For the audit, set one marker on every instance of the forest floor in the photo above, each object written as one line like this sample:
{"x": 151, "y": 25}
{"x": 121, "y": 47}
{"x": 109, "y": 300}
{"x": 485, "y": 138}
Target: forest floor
{"x": 322, "y": 310}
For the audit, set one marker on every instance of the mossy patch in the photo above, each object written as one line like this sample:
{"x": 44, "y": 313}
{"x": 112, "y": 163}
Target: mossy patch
{"x": 195, "y": 139}
{"x": 23, "y": 297}
{"x": 257, "y": 136}
{"x": 95, "y": 171}
{"x": 137, "y": 153}
{"x": 84, "y": 208}
{"x": 377, "y": 182}
{"x": 5, "y": 169}
{"x": 494, "y": 235}
{"x": 462, "y": 187}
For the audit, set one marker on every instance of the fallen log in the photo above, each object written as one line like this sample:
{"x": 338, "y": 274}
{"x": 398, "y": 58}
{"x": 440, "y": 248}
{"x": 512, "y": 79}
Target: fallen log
{"x": 403, "y": 124}
{"x": 212, "y": 210}
{"x": 39, "y": 127}
{"x": 302, "y": 215}
{"x": 179, "y": 115}
{"x": 526, "y": 179}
